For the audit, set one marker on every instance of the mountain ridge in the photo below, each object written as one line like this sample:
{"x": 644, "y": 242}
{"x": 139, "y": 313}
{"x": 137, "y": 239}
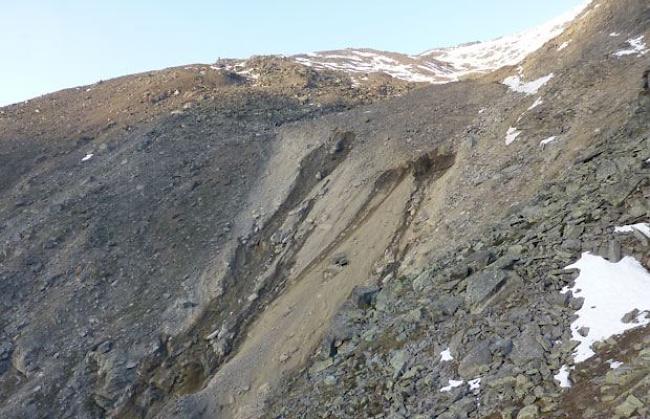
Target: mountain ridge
{"x": 295, "y": 242}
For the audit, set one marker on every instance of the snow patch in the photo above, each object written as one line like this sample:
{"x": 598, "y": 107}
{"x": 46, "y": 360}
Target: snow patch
{"x": 614, "y": 364}
{"x": 516, "y": 84}
{"x": 512, "y": 135}
{"x": 549, "y": 140}
{"x": 504, "y": 51}
{"x": 87, "y": 157}
{"x": 538, "y": 102}
{"x": 643, "y": 228}
{"x": 364, "y": 62}
{"x": 563, "y": 46}
{"x": 474, "y": 384}
{"x": 610, "y": 291}
{"x": 637, "y": 46}
{"x": 614, "y": 34}
{"x": 444, "y": 65}
{"x": 562, "y": 377}
{"x": 445, "y": 356}
{"x": 452, "y": 384}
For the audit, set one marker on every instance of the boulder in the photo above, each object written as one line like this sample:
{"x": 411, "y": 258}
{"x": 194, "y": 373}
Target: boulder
{"x": 528, "y": 412}
{"x": 527, "y": 347}
{"x": 398, "y": 362}
{"x": 477, "y": 361}
{"x": 489, "y": 287}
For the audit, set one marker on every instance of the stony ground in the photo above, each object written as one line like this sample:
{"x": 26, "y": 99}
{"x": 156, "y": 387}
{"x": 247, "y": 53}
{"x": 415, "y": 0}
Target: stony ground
{"x": 495, "y": 304}
{"x": 215, "y": 241}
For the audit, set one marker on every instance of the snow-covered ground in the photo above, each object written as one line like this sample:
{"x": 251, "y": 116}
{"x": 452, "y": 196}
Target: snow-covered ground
{"x": 643, "y": 228}
{"x": 508, "y": 50}
{"x": 452, "y": 384}
{"x": 369, "y": 61}
{"x": 614, "y": 364}
{"x": 610, "y": 291}
{"x": 637, "y": 46}
{"x": 512, "y": 135}
{"x": 562, "y": 377}
{"x": 537, "y": 103}
{"x": 548, "y": 140}
{"x": 445, "y": 355}
{"x": 443, "y": 65}
{"x": 516, "y": 84}
{"x": 474, "y": 384}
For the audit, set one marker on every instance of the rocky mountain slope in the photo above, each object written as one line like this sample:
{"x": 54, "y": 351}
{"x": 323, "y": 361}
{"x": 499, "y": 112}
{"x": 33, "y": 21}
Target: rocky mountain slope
{"x": 442, "y": 65}
{"x": 276, "y": 239}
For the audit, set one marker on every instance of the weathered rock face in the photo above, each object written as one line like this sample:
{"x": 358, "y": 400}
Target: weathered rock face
{"x": 500, "y": 351}
{"x": 516, "y": 345}
{"x": 228, "y": 244}
{"x": 124, "y": 232}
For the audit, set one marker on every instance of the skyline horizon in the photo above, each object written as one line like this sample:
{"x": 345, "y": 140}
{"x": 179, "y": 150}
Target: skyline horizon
{"x": 75, "y": 66}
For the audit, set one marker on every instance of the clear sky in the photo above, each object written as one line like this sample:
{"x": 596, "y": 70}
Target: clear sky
{"x": 47, "y": 45}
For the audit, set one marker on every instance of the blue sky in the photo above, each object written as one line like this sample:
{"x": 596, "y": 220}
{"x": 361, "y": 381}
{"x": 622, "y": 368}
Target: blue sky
{"x": 48, "y": 45}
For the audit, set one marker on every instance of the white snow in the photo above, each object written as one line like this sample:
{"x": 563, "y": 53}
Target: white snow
{"x": 614, "y": 34}
{"x": 563, "y": 377}
{"x": 610, "y": 290}
{"x": 452, "y": 384}
{"x": 538, "y": 102}
{"x": 367, "y": 61}
{"x": 445, "y": 355}
{"x": 512, "y": 135}
{"x": 637, "y": 47}
{"x": 504, "y": 51}
{"x": 444, "y": 65}
{"x": 481, "y": 111}
{"x": 564, "y": 45}
{"x": 516, "y": 84}
{"x": 643, "y": 228}
{"x": 614, "y": 364}
{"x": 87, "y": 157}
{"x": 474, "y": 384}
{"x": 547, "y": 141}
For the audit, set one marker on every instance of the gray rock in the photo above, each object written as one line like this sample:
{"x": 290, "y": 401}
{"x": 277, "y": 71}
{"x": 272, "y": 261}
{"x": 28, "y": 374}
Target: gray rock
{"x": 105, "y": 347}
{"x": 528, "y": 412}
{"x": 5, "y": 349}
{"x": 480, "y": 259}
{"x": 502, "y": 347}
{"x": 526, "y": 347}
{"x": 631, "y": 316}
{"x": 330, "y": 381}
{"x": 24, "y": 360}
{"x": 340, "y": 259}
{"x": 398, "y": 362}
{"x": 614, "y": 251}
{"x": 487, "y": 287}
{"x": 422, "y": 281}
{"x": 576, "y": 303}
{"x": 573, "y": 231}
{"x": 476, "y": 361}
{"x": 629, "y": 406}
{"x": 365, "y": 296}
{"x": 446, "y": 304}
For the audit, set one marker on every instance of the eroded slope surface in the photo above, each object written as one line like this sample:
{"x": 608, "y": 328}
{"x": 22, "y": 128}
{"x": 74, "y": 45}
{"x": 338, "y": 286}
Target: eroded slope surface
{"x": 277, "y": 239}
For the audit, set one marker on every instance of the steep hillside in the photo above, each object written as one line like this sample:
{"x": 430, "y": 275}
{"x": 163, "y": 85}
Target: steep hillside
{"x": 285, "y": 239}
